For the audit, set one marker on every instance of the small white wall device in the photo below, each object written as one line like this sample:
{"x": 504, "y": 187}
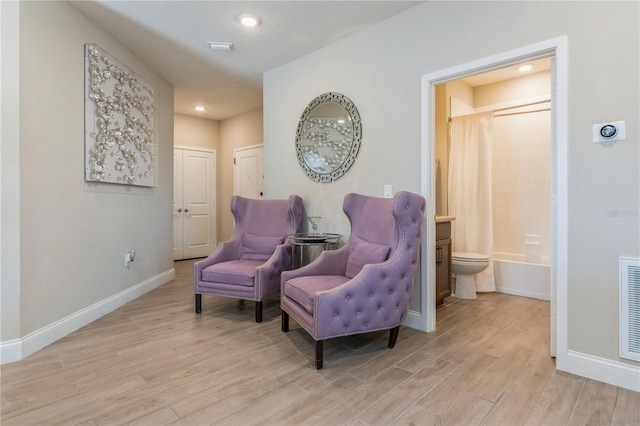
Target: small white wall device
{"x": 609, "y": 132}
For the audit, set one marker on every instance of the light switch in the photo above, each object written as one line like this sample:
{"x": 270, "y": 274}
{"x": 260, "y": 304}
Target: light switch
{"x": 388, "y": 191}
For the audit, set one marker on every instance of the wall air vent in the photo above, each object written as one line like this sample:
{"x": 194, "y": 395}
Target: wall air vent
{"x": 630, "y": 308}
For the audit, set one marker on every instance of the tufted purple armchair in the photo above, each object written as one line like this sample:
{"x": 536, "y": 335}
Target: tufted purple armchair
{"x": 365, "y": 285}
{"x": 248, "y": 266}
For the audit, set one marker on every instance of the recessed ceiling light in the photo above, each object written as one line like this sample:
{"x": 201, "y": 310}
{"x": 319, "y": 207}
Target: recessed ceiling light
{"x": 199, "y": 108}
{"x": 220, "y": 45}
{"x": 249, "y": 20}
{"x": 525, "y": 67}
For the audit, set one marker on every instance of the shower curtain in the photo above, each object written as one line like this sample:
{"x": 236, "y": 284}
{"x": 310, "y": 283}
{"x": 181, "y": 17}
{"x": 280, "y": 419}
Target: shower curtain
{"x": 470, "y": 189}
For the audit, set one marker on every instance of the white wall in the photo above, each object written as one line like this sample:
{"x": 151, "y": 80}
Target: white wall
{"x": 10, "y": 173}
{"x": 196, "y": 132}
{"x": 380, "y": 69}
{"x": 72, "y": 234}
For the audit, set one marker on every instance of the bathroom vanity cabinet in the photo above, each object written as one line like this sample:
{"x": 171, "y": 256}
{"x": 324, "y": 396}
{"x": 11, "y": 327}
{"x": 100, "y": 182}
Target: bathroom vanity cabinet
{"x": 443, "y": 260}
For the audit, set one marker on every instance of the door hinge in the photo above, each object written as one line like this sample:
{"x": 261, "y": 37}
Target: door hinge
{"x": 234, "y": 161}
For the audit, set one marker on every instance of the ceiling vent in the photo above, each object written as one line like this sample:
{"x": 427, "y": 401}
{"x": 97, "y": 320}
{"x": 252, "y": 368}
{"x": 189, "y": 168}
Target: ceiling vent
{"x": 220, "y": 45}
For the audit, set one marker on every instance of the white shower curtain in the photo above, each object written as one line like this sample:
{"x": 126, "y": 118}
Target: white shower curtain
{"x": 470, "y": 189}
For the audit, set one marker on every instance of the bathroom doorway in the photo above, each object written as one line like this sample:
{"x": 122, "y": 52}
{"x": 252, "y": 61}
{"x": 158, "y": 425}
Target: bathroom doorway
{"x": 508, "y": 189}
{"x": 552, "y": 52}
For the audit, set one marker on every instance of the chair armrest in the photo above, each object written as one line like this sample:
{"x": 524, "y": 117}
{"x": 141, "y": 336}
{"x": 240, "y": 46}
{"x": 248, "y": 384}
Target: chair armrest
{"x": 268, "y": 274}
{"x": 228, "y": 250}
{"x": 329, "y": 262}
{"x": 377, "y": 298}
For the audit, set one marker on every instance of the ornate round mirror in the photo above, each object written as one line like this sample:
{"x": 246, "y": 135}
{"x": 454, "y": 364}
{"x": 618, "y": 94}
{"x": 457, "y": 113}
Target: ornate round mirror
{"x": 328, "y": 137}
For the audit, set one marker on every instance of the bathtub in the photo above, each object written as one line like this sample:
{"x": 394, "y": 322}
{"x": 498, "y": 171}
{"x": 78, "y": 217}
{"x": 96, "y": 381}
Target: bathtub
{"x": 514, "y": 275}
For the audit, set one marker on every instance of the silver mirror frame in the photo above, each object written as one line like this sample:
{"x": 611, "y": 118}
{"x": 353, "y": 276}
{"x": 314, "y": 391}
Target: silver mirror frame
{"x": 353, "y": 135}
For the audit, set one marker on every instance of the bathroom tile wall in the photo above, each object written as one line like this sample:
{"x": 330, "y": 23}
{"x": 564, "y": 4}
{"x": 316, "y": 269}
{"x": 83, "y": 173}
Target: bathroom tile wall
{"x": 521, "y": 167}
{"x": 522, "y": 186}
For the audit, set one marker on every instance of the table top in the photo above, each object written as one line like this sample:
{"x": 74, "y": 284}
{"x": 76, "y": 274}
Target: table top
{"x": 311, "y": 238}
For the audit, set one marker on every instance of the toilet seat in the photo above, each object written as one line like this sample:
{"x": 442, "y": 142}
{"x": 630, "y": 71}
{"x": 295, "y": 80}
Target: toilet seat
{"x": 469, "y": 257}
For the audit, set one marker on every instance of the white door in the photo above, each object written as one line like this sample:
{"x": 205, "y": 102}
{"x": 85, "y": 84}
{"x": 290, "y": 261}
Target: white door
{"x": 195, "y": 226}
{"x": 248, "y": 174}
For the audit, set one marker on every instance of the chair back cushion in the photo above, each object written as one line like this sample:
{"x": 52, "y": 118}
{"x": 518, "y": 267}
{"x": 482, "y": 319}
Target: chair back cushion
{"x": 363, "y": 252}
{"x": 258, "y": 247}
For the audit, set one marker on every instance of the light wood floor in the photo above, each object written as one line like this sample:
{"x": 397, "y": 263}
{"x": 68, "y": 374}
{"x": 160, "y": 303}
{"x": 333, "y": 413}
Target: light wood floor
{"x": 155, "y": 362}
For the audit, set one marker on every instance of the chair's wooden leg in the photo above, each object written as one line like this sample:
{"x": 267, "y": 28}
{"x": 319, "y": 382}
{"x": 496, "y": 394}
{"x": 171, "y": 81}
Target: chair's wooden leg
{"x": 393, "y": 336}
{"x": 285, "y": 322}
{"x": 198, "y": 303}
{"x": 259, "y": 311}
{"x": 319, "y": 354}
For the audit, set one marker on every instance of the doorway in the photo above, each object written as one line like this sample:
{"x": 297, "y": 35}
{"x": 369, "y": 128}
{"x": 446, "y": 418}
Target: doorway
{"x": 194, "y": 202}
{"x": 503, "y": 183}
{"x": 556, "y": 49}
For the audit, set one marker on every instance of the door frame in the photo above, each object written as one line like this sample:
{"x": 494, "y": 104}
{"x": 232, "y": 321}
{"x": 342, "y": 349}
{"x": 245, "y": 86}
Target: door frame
{"x": 556, "y": 47}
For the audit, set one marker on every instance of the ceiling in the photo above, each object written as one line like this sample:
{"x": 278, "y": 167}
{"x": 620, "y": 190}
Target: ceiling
{"x": 506, "y": 73}
{"x": 171, "y": 37}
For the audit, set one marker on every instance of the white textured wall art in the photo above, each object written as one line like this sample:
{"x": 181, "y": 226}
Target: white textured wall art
{"x": 120, "y": 109}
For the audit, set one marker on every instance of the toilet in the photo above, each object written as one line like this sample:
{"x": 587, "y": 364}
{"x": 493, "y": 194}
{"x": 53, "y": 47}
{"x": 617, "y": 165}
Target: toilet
{"x": 464, "y": 266}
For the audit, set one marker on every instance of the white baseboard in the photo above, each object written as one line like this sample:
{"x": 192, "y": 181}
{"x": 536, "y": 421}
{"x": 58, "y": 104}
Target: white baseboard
{"x": 17, "y": 349}
{"x": 604, "y": 370}
{"x": 529, "y": 294}
{"x": 414, "y": 320}
{"x": 10, "y": 351}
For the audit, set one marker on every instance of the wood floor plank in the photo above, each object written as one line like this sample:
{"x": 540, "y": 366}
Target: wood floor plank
{"x": 502, "y": 373}
{"x": 469, "y": 410}
{"x": 518, "y": 399}
{"x": 416, "y": 415}
{"x": 444, "y": 395}
{"x": 353, "y": 403}
{"x": 394, "y": 403}
{"x": 627, "y": 410}
{"x": 154, "y": 361}
{"x": 595, "y": 404}
{"x": 555, "y": 404}
{"x": 473, "y": 339}
{"x": 163, "y": 416}
{"x": 404, "y": 347}
{"x": 264, "y": 407}
{"x": 214, "y": 412}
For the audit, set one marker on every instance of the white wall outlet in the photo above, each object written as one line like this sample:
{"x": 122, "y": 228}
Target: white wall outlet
{"x": 609, "y": 132}
{"x": 388, "y": 191}
{"x": 129, "y": 257}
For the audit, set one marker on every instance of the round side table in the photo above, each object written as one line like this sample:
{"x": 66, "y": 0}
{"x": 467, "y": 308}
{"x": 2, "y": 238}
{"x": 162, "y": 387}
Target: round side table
{"x": 306, "y": 247}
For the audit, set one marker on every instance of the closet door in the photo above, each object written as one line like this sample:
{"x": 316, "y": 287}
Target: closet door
{"x": 195, "y": 228}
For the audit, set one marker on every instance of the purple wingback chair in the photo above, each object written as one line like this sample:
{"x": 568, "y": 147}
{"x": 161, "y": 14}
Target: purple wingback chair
{"x": 248, "y": 266}
{"x": 365, "y": 285}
